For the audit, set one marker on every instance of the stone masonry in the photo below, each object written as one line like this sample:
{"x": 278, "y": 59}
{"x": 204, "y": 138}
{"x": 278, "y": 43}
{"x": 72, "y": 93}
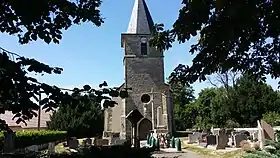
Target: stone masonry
{"x": 144, "y": 73}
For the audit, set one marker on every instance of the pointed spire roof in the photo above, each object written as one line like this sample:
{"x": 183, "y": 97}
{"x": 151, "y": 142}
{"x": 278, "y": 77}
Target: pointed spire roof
{"x": 141, "y": 21}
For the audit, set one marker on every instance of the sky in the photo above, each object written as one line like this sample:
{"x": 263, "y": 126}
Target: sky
{"x": 91, "y": 55}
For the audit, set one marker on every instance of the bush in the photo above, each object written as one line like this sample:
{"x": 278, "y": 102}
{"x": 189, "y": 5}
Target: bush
{"x": 28, "y": 138}
{"x": 272, "y": 118}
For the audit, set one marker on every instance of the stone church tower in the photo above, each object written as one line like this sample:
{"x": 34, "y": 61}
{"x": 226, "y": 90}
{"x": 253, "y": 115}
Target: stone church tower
{"x": 149, "y": 105}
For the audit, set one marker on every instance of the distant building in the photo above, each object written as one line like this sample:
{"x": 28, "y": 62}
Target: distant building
{"x": 31, "y": 124}
{"x": 149, "y": 101}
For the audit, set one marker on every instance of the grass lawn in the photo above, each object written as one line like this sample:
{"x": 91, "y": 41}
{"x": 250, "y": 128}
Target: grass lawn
{"x": 210, "y": 153}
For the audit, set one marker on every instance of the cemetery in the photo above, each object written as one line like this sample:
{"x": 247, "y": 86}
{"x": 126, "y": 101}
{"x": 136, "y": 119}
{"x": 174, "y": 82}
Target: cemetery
{"x": 233, "y": 46}
{"x": 47, "y": 143}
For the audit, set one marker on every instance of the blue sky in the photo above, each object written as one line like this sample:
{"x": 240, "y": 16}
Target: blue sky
{"x": 90, "y": 54}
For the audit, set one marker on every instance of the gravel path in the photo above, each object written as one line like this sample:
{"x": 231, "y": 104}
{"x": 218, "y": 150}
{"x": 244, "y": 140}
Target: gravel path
{"x": 183, "y": 154}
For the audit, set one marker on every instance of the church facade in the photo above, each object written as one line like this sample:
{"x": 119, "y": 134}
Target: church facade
{"x": 149, "y": 105}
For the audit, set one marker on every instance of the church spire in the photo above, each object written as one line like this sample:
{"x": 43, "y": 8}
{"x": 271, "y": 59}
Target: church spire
{"x": 141, "y": 21}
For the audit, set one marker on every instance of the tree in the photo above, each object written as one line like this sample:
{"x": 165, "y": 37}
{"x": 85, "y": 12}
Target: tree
{"x": 225, "y": 80}
{"x": 46, "y": 21}
{"x": 80, "y": 120}
{"x": 184, "y": 112}
{"x": 250, "y": 100}
{"x": 239, "y": 105}
{"x": 205, "y": 108}
{"x": 181, "y": 94}
{"x": 234, "y": 35}
{"x": 272, "y": 118}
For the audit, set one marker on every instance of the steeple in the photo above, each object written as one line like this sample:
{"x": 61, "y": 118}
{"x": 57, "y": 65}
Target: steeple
{"x": 141, "y": 21}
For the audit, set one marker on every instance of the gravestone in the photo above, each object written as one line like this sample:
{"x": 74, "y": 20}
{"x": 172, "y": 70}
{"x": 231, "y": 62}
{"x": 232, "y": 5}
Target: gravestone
{"x": 215, "y": 131}
{"x": 9, "y": 141}
{"x": 192, "y": 138}
{"x": 230, "y": 141}
{"x": 211, "y": 140}
{"x": 238, "y": 138}
{"x": 198, "y": 135}
{"x": 221, "y": 139}
{"x": 34, "y": 148}
{"x": 212, "y": 130}
{"x": 255, "y": 136}
{"x": 113, "y": 140}
{"x": 268, "y": 130}
{"x": 101, "y": 142}
{"x": 73, "y": 143}
{"x": 51, "y": 148}
{"x": 89, "y": 141}
{"x": 120, "y": 141}
{"x": 229, "y": 131}
{"x": 260, "y": 135}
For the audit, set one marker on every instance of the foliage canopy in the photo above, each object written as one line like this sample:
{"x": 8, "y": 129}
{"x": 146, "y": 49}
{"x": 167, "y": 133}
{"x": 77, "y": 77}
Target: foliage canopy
{"x": 46, "y": 21}
{"x": 80, "y": 120}
{"x": 234, "y": 35}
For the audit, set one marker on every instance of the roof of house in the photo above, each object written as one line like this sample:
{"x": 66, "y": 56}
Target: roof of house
{"x": 32, "y": 123}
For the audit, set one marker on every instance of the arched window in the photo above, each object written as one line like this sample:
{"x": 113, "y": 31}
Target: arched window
{"x": 144, "y": 46}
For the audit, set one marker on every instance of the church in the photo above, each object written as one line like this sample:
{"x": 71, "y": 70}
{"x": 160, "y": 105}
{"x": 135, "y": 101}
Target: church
{"x": 149, "y": 104}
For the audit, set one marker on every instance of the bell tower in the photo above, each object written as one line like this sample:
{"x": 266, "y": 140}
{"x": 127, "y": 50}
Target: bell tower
{"x": 149, "y": 104}
{"x": 144, "y": 67}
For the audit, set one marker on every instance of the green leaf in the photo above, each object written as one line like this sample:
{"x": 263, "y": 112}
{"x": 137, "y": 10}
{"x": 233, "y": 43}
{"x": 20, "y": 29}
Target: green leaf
{"x": 87, "y": 87}
{"x": 34, "y": 36}
{"x": 123, "y": 94}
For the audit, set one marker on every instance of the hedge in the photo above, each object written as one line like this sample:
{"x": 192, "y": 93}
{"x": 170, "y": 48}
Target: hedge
{"x": 28, "y": 138}
{"x": 182, "y": 133}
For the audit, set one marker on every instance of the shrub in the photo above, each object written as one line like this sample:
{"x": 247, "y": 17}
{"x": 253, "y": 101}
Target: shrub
{"x": 28, "y": 138}
{"x": 272, "y": 118}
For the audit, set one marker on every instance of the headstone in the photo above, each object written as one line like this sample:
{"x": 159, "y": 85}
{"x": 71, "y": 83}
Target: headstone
{"x": 84, "y": 143}
{"x": 9, "y": 141}
{"x": 255, "y": 136}
{"x": 221, "y": 140}
{"x": 198, "y": 135}
{"x": 113, "y": 140}
{"x": 215, "y": 131}
{"x": 73, "y": 143}
{"x": 51, "y": 148}
{"x": 238, "y": 138}
{"x": 211, "y": 140}
{"x": 229, "y": 131}
{"x": 192, "y": 138}
{"x": 268, "y": 130}
{"x": 212, "y": 130}
{"x": 260, "y": 135}
{"x": 89, "y": 141}
{"x": 230, "y": 141}
{"x": 34, "y": 148}
{"x": 101, "y": 142}
{"x": 120, "y": 142}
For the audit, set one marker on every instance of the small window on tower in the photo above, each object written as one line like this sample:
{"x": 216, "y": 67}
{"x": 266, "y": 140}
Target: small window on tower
{"x": 144, "y": 46}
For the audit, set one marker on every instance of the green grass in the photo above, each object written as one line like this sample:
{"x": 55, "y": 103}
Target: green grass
{"x": 210, "y": 153}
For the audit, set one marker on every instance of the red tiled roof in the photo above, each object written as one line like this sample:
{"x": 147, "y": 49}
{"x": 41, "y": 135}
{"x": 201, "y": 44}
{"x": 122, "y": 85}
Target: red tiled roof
{"x": 45, "y": 116}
